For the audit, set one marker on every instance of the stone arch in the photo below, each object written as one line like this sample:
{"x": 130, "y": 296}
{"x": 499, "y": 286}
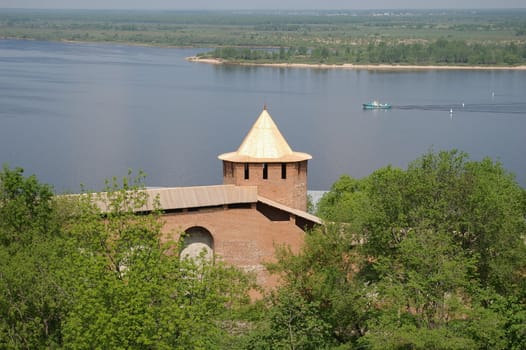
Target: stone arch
{"x": 198, "y": 240}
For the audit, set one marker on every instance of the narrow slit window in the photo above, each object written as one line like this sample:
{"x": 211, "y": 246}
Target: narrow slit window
{"x": 265, "y": 171}
{"x": 283, "y": 170}
{"x": 246, "y": 171}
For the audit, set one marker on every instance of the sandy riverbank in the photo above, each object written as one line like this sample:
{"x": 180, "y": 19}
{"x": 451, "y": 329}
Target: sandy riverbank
{"x": 354, "y": 66}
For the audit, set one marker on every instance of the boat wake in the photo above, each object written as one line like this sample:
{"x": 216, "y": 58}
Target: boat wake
{"x": 501, "y": 108}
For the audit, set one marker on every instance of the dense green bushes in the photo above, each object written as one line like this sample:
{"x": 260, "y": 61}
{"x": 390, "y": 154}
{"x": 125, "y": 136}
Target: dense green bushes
{"x": 439, "y": 52}
{"x": 432, "y": 257}
{"x": 73, "y": 277}
{"x": 428, "y": 257}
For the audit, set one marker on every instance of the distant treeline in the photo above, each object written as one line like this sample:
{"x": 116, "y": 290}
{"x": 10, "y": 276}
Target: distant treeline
{"x": 441, "y": 51}
{"x": 481, "y": 37}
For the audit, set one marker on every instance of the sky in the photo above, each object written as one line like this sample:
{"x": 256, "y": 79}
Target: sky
{"x": 260, "y": 4}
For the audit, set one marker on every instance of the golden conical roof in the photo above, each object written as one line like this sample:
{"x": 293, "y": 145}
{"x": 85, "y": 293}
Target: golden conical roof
{"x": 264, "y": 143}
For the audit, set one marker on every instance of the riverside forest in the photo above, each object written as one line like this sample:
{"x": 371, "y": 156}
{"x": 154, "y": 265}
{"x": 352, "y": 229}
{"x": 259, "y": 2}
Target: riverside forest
{"x": 401, "y": 37}
{"x": 432, "y": 256}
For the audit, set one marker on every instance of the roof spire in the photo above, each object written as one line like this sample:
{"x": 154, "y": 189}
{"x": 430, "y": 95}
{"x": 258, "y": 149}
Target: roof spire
{"x": 264, "y": 143}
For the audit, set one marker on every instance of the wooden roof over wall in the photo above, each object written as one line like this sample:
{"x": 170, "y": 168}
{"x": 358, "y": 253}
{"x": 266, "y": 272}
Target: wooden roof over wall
{"x": 173, "y": 198}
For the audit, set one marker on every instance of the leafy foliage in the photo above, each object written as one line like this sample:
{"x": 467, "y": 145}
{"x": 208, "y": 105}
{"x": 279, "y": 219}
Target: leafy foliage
{"x": 25, "y": 208}
{"x": 293, "y": 323}
{"x": 31, "y": 297}
{"x": 429, "y": 257}
{"x": 88, "y": 271}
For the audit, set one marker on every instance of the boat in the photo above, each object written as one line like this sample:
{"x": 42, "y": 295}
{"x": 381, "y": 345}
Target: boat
{"x": 376, "y": 105}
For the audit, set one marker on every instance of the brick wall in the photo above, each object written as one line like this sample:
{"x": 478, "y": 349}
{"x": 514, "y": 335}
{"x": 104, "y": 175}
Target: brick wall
{"x": 290, "y": 191}
{"x": 243, "y": 237}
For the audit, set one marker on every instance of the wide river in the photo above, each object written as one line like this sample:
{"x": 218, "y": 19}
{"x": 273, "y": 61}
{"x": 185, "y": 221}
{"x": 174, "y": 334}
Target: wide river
{"x": 81, "y": 113}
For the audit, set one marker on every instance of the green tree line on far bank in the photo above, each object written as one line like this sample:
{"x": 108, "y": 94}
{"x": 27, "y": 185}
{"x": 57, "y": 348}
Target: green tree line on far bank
{"x": 448, "y": 37}
{"x": 428, "y": 257}
{"x": 438, "y": 52}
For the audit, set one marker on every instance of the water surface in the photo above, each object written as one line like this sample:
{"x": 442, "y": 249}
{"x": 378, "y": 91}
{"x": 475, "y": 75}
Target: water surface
{"x": 81, "y": 113}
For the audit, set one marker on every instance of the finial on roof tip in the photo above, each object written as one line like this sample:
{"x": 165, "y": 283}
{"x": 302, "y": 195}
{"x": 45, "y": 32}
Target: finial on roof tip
{"x": 265, "y": 107}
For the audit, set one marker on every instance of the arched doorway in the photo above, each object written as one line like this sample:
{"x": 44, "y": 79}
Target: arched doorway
{"x": 198, "y": 241}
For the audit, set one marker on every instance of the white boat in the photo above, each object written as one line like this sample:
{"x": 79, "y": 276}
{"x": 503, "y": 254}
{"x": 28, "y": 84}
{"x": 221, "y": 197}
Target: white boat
{"x": 376, "y": 105}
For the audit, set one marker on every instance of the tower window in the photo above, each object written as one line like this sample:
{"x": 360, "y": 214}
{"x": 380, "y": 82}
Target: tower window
{"x": 228, "y": 169}
{"x": 283, "y": 170}
{"x": 265, "y": 171}
{"x": 246, "y": 171}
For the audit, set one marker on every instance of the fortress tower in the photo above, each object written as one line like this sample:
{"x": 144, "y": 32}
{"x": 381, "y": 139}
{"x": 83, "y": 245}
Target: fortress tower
{"x": 261, "y": 205}
{"x": 265, "y": 159}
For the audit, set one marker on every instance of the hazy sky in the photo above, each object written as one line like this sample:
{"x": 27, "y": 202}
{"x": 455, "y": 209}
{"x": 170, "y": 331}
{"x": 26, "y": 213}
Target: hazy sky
{"x": 261, "y": 4}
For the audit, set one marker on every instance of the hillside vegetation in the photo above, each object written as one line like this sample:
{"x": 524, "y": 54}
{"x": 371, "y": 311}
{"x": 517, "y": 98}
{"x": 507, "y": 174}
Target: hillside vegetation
{"x": 481, "y": 37}
{"x": 428, "y": 257}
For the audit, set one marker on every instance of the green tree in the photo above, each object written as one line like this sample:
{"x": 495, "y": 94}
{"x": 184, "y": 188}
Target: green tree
{"x": 424, "y": 296}
{"x": 90, "y": 271}
{"x": 292, "y": 323}
{"x": 25, "y": 208}
{"x": 345, "y": 202}
{"x": 133, "y": 291}
{"x": 32, "y": 301}
{"x": 323, "y": 301}
{"x": 447, "y": 233}
{"x": 478, "y": 203}
{"x": 432, "y": 256}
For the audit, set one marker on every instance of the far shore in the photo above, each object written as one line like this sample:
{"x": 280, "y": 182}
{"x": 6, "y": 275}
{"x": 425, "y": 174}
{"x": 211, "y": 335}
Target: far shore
{"x": 353, "y": 66}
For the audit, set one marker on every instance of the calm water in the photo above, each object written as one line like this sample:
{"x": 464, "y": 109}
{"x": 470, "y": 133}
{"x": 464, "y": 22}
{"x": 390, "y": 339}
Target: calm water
{"x": 80, "y": 113}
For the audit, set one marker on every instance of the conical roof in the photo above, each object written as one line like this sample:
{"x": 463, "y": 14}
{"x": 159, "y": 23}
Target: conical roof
{"x": 264, "y": 143}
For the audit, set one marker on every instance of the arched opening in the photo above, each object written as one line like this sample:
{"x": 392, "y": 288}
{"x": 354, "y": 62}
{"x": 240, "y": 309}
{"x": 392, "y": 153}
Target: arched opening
{"x": 198, "y": 241}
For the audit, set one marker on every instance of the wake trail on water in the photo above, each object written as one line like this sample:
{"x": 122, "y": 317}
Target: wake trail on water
{"x": 498, "y": 108}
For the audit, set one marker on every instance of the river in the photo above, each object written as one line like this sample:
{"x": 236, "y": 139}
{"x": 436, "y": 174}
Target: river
{"x": 76, "y": 113}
